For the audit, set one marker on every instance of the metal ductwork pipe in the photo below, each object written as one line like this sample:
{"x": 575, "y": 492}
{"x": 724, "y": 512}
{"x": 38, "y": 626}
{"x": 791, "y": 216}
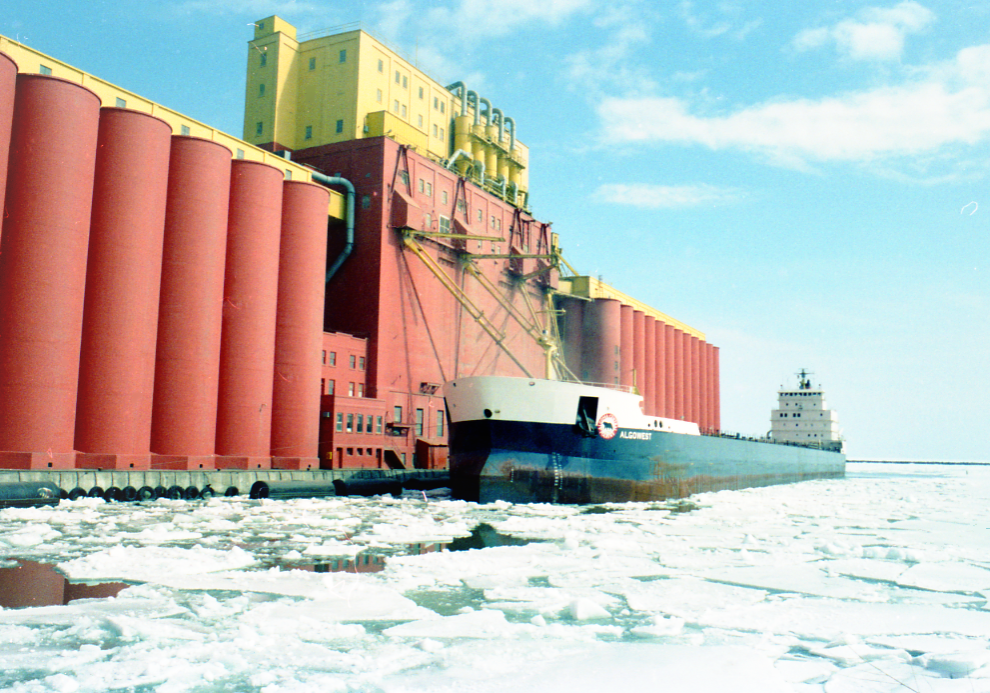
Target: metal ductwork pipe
{"x": 348, "y": 214}
{"x": 462, "y": 88}
{"x": 512, "y": 132}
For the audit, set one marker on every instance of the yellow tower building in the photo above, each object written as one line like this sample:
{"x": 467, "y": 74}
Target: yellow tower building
{"x": 336, "y": 87}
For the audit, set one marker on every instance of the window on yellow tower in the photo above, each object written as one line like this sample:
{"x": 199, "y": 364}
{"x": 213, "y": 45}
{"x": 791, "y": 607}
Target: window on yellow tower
{"x": 343, "y": 55}
{"x": 312, "y": 64}
{"x": 259, "y": 128}
{"x": 340, "y": 126}
{"x": 263, "y": 60}
{"x": 381, "y": 65}
{"x": 261, "y": 90}
{"x": 309, "y": 132}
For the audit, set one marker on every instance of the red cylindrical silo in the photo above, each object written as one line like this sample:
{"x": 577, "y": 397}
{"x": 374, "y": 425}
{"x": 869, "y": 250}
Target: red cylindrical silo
{"x": 639, "y": 350}
{"x": 716, "y": 391}
{"x": 601, "y": 339}
{"x": 184, "y": 414}
{"x": 8, "y": 85}
{"x": 649, "y": 365}
{"x": 660, "y": 367}
{"x": 680, "y": 410}
{"x": 250, "y": 297}
{"x": 704, "y": 420}
{"x": 694, "y": 346}
{"x": 670, "y": 371}
{"x": 299, "y": 322}
{"x": 571, "y": 329}
{"x": 691, "y": 385}
{"x": 43, "y": 263}
{"x": 627, "y": 347}
{"x": 120, "y": 321}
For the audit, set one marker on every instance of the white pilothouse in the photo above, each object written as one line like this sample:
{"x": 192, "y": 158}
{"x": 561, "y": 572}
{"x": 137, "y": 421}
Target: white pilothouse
{"x": 802, "y": 416}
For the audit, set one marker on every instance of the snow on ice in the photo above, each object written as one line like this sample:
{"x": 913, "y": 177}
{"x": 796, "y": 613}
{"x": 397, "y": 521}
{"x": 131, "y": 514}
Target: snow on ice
{"x": 873, "y": 583}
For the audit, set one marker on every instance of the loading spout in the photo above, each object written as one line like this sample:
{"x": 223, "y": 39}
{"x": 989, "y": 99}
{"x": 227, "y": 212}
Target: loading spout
{"x": 348, "y": 218}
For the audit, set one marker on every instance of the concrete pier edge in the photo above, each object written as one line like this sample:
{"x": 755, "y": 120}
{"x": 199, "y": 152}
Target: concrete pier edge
{"x": 218, "y": 480}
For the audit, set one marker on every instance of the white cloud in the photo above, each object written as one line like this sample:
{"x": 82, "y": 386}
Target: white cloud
{"x": 469, "y": 20}
{"x": 649, "y": 196}
{"x": 920, "y": 118}
{"x": 876, "y": 34}
{"x": 726, "y": 24}
{"x": 625, "y": 31}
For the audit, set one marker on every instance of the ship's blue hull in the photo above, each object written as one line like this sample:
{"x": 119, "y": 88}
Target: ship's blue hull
{"x": 539, "y": 462}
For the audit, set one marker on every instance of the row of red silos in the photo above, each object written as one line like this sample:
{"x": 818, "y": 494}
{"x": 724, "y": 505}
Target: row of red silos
{"x": 610, "y": 342}
{"x": 161, "y": 305}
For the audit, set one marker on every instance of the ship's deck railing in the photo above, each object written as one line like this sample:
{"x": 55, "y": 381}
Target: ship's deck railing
{"x": 818, "y": 445}
{"x": 611, "y": 386}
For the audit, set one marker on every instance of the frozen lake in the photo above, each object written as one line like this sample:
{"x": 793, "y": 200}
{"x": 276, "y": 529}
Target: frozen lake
{"x": 877, "y": 582}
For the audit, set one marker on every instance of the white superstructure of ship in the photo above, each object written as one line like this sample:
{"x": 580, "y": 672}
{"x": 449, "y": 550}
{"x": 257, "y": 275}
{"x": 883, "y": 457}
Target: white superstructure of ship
{"x": 802, "y": 416}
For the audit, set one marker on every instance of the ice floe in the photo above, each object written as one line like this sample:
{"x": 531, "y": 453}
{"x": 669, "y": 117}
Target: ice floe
{"x": 873, "y": 583}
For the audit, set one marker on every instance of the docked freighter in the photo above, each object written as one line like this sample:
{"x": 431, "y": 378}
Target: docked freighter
{"x": 527, "y": 440}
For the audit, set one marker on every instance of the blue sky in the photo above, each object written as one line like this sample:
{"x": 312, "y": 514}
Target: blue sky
{"x": 806, "y": 182}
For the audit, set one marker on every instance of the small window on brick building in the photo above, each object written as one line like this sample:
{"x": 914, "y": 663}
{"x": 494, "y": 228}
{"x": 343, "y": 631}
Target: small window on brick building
{"x": 361, "y": 363}
{"x": 350, "y": 423}
{"x": 397, "y": 415}
{"x": 340, "y": 422}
